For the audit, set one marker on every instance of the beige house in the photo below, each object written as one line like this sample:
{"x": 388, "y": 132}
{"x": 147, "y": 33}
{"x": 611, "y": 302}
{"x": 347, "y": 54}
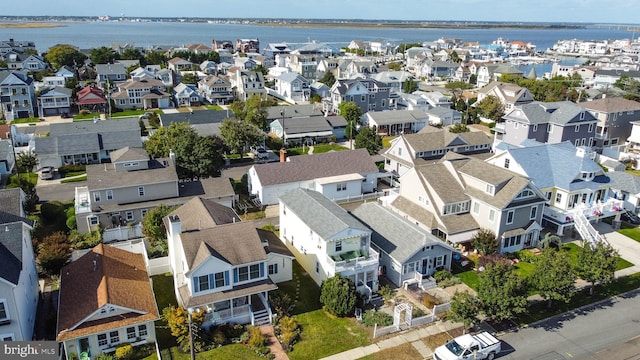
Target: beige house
{"x": 106, "y": 300}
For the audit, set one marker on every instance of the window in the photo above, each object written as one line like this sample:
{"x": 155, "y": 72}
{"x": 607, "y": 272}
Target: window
{"x": 144, "y": 212}
{"x": 3, "y": 310}
{"x": 506, "y": 163}
{"x": 102, "y": 340}
{"x": 109, "y": 194}
{"x": 254, "y": 271}
{"x": 510, "y": 214}
{"x": 440, "y": 261}
{"x": 129, "y": 215}
{"x": 550, "y": 128}
{"x": 142, "y": 330}
{"x": 590, "y": 128}
{"x": 549, "y": 195}
{"x": 93, "y": 220}
{"x": 576, "y": 128}
{"x": 534, "y": 212}
{"x": 114, "y": 337}
{"x": 6, "y": 337}
{"x": 273, "y": 269}
{"x": 219, "y": 279}
{"x": 203, "y": 283}
{"x": 338, "y": 246}
{"x": 399, "y": 151}
{"x": 131, "y": 164}
{"x": 558, "y": 198}
{"x": 131, "y": 333}
{"x": 317, "y": 267}
{"x": 535, "y": 127}
{"x": 243, "y": 274}
{"x": 341, "y": 187}
{"x": 476, "y": 207}
{"x": 140, "y": 190}
{"x": 96, "y": 196}
{"x": 492, "y": 215}
{"x": 527, "y": 193}
{"x": 577, "y": 142}
{"x": 489, "y": 189}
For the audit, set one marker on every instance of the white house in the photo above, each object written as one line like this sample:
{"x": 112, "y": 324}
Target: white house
{"x": 337, "y": 175}
{"x": 327, "y": 240}
{"x": 18, "y": 276}
{"x": 186, "y": 95}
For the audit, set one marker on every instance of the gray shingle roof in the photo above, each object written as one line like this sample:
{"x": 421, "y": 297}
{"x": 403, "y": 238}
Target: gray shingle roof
{"x": 198, "y": 214}
{"x": 104, "y": 176}
{"x": 560, "y": 113}
{"x": 319, "y": 213}
{"x": 128, "y": 154}
{"x": 293, "y": 111}
{"x": 624, "y": 181}
{"x": 397, "y": 116}
{"x": 440, "y": 139}
{"x": 394, "y": 235}
{"x": 308, "y": 167}
{"x": 197, "y": 117}
{"x": 11, "y": 252}
{"x": 312, "y": 124}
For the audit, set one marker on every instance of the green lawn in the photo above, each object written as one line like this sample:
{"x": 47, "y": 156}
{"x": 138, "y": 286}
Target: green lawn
{"x": 308, "y": 294}
{"x": 227, "y": 352}
{"x": 25, "y": 120}
{"x": 386, "y": 141}
{"x": 323, "y": 335}
{"x": 81, "y": 178}
{"x": 317, "y": 149}
{"x": 13, "y": 179}
{"x": 633, "y": 233}
{"x": 165, "y": 296}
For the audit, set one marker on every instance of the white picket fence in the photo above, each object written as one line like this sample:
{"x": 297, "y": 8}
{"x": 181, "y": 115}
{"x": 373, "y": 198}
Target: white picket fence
{"x": 427, "y": 319}
{"x": 159, "y": 266}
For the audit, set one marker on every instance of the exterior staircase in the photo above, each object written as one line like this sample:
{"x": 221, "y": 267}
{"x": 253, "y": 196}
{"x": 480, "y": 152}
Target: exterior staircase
{"x": 586, "y": 230}
{"x": 261, "y": 317}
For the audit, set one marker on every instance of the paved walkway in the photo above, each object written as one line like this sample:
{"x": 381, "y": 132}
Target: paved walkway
{"x": 628, "y": 248}
{"x": 412, "y": 336}
{"x": 273, "y": 343}
{"x": 57, "y": 180}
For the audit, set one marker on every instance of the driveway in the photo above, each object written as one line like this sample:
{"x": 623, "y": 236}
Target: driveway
{"x": 57, "y": 191}
{"x": 628, "y": 248}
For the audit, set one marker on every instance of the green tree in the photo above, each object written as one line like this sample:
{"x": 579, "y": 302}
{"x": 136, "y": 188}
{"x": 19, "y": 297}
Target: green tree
{"x": 457, "y": 88}
{"x": 459, "y": 128}
{"x": 338, "y": 295}
{"x": 166, "y": 138}
{"x": 177, "y": 319}
{"x": 368, "y": 138}
{"x": 153, "y": 226}
{"x": 491, "y": 108}
{"x": 501, "y": 292}
{"x": 328, "y": 79}
{"x": 352, "y": 113}
{"x": 61, "y": 55}
{"x": 155, "y": 58}
{"x": 553, "y": 277}
{"x": 199, "y": 157}
{"x": 133, "y": 54}
{"x": 53, "y": 252}
{"x": 103, "y": 55}
{"x": 596, "y": 263}
{"x": 395, "y": 66}
{"x": 409, "y": 86}
{"x": 464, "y": 308}
{"x": 238, "y": 135}
{"x": 454, "y": 57}
{"x": 26, "y": 161}
{"x": 485, "y": 241}
{"x": 189, "y": 78}
{"x": 154, "y": 120}
{"x": 404, "y": 47}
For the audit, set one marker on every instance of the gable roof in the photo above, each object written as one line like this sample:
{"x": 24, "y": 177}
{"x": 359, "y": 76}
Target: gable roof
{"x": 308, "y": 125}
{"x": 293, "y": 111}
{"x": 104, "y": 276}
{"x": 308, "y": 167}
{"x": 111, "y": 69}
{"x": 442, "y": 138}
{"x": 611, "y": 104}
{"x": 106, "y": 177}
{"x": 235, "y": 243}
{"x": 198, "y": 117}
{"x": 624, "y": 181}
{"x": 128, "y": 154}
{"x": 11, "y": 252}
{"x": 397, "y": 116}
{"x": 560, "y": 113}
{"x": 393, "y": 234}
{"x": 198, "y": 213}
{"x": 319, "y": 213}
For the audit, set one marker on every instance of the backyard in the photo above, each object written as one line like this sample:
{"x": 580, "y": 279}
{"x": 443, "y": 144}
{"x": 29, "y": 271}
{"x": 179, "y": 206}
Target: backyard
{"x": 317, "y": 149}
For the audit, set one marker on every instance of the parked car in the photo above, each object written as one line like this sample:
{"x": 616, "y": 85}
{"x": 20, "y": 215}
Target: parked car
{"x": 260, "y": 153}
{"x": 630, "y": 217}
{"x": 46, "y": 173}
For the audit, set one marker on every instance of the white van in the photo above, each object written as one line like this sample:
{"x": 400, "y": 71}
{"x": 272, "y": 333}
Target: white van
{"x": 46, "y": 173}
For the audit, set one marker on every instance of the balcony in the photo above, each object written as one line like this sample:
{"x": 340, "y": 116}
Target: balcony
{"x": 605, "y": 209}
{"x": 353, "y": 259}
{"x": 82, "y": 200}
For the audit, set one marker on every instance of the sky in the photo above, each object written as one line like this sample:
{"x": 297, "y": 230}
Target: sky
{"x": 576, "y": 11}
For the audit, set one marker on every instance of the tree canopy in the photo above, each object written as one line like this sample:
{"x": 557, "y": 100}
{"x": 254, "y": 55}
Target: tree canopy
{"x": 103, "y": 55}
{"x": 253, "y": 111}
{"x": 485, "y": 241}
{"x": 554, "y": 277}
{"x": 328, "y": 79}
{"x": 26, "y": 161}
{"x": 198, "y": 57}
{"x": 338, "y": 295}
{"x": 53, "y": 253}
{"x": 502, "y": 292}
{"x": 61, "y": 55}
{"x": 196, "y": 156}
{"x": 596, "y": 263}
{"x": 189, "y": 78}
{"x": 155, "y": 58}
{"x": 153, "y": 226}
{"x": 558, "y": 88}
{"x": 352, "y": 113}
{"x": 409, "y": 86}
{"x": 239, "y": 135}
{"x": 464, "y": 308}
{"x": 491, "y": 108}
{"x": 368, "y": 138}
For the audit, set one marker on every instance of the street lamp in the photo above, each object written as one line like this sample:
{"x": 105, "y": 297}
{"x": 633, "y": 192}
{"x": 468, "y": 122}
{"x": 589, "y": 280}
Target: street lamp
{"x": 191, "y": 349}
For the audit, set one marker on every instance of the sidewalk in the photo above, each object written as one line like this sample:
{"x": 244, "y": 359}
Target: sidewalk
{"x": 412, "y": 336}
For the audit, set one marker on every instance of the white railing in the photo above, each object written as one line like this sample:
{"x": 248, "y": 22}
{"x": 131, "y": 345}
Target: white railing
{"x": 123, "y": 233}
{"x": 360, "y": 197}
{"x": 586, "y": 231}
{"x": 359, "y": 261}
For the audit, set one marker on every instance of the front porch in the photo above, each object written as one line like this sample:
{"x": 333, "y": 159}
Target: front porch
{"x": 564, "y": 219}
{"x": 252, "y": 309}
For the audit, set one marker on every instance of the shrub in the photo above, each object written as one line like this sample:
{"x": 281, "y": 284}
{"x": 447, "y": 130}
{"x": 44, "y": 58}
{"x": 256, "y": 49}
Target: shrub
{"x": 372, "y": 317}
{"x": 417, "y": 312}
{"x": 442, "y": 275}
{"x": 63, "y": 170}
{"x": 429, "y": 300}
{"x": 281, "y": 303}
{"x": 526, "y": 255}
{"x": 492, "y": 259}
{"x": 124, "y": 351}
{"x": 256, "y": 339}
{"x": 288, "y": 331}
{"x": 52, "y": 211}
{"x": 338, "y": 295}
{"x": 386, "y": 292}
{"x": 218, "y": 337}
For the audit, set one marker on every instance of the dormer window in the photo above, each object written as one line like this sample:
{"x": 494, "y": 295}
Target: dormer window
{"x": 489, "y": 189}
{"x": 582, "y": 115}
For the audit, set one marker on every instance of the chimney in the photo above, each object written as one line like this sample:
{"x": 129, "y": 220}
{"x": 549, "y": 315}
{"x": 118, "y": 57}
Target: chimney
{"x": 175, "y": 227}
{"x": 283, "y": 155}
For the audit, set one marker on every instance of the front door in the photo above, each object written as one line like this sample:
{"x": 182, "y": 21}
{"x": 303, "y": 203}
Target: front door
{"x": 85, "y": 352}
{"x": 425, "y": 266}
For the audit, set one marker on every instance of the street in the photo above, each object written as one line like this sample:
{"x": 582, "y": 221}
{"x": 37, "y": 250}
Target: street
{"x": 607, "y": 330}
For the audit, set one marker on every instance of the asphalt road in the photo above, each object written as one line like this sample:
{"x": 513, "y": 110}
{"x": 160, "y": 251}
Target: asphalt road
{"x": 608, "y": 330}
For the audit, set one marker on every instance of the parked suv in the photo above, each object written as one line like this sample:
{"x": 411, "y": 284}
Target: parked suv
{"x": 46, "y": 173}
{"x": 260, "y": 153}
